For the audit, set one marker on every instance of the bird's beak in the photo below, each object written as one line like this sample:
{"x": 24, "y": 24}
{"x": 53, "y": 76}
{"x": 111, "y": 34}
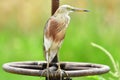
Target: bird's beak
{"x": 79, "y": 10}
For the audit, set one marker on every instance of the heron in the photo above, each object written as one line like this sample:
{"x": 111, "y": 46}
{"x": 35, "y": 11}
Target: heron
{"x": 55, "y": 30}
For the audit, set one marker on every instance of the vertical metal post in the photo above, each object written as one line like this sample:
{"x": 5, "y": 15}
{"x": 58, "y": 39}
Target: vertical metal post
{"x": 55, "y": 5}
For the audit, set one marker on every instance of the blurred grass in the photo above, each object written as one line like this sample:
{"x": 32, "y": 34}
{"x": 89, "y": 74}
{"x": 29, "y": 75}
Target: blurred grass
{"x": 21, "y": 32}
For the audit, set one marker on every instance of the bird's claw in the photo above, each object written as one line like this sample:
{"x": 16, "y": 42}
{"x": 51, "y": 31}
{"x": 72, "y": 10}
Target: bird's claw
{"x": 60, "y": 72}
{"x": 47, "y": 72}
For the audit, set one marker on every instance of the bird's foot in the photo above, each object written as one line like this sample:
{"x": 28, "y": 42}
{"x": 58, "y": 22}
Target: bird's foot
{"x": 60, "y": 72}
{"x": 47, "y": 72}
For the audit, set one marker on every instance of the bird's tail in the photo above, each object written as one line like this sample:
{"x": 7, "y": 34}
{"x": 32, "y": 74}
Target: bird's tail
{"x": 51, "y": 55}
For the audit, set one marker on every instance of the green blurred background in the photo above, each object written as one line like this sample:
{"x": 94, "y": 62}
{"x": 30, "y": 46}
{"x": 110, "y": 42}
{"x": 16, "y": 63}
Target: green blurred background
{"x": 21, "y": 32}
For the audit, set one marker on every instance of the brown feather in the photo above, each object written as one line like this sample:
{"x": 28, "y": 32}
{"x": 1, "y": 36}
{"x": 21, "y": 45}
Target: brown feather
{"x": 55, "y": 30}
{"x": 54, "y": 34}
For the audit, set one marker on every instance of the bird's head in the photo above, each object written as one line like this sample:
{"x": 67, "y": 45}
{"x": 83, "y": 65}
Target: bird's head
{"x": 66, "y": 9}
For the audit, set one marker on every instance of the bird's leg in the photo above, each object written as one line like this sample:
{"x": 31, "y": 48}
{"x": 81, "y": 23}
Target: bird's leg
{"x": 48, "y": 65}
{"x": 60, "y": 72}
{"x": 47, "y": 71}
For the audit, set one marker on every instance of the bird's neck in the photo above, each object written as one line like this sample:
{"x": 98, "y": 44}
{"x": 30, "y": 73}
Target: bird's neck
{"x": 62, "y": 16}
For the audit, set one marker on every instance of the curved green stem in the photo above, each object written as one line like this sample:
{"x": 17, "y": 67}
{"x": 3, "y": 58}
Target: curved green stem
{"x": 108, "y": 54}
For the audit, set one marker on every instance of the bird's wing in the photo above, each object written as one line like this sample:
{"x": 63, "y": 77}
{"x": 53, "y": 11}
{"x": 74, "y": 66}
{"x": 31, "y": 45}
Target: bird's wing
{"x": 51, "y": 29}
{"x": 50, "y": 49}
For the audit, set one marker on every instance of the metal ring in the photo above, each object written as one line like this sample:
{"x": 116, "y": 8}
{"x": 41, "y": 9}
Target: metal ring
{"x": 73, "y": 69}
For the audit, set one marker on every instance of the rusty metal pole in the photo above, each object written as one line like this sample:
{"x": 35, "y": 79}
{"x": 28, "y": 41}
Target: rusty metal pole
{"x": 54, "y": 5}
